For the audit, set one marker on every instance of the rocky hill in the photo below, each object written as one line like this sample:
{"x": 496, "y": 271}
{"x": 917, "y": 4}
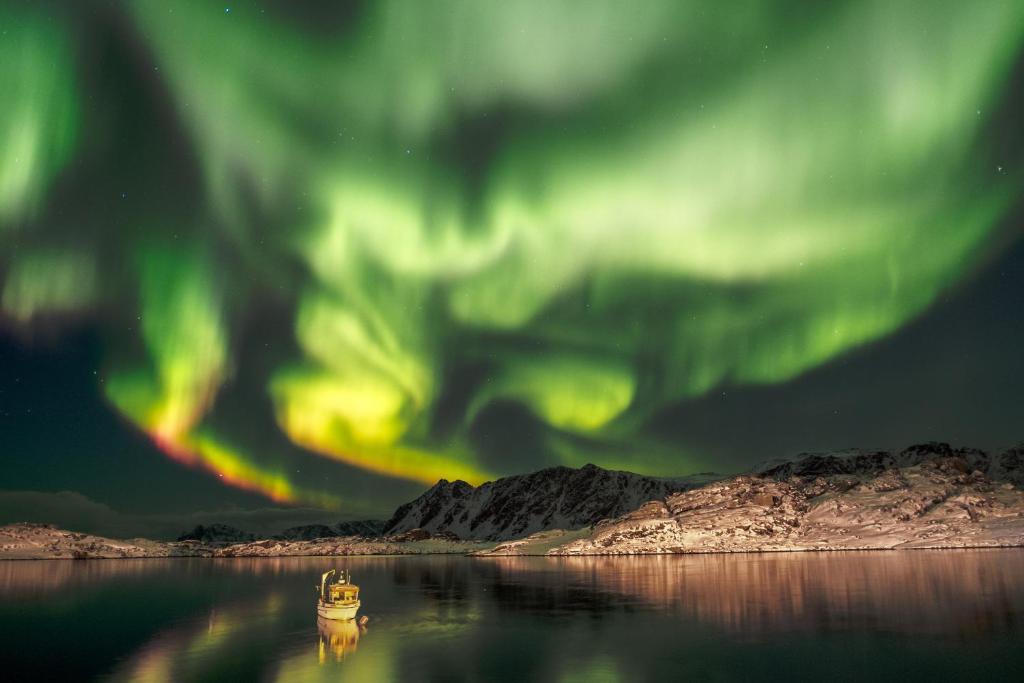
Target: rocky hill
{"x": 367, "y": 528}
{"x": 217, "y": 534}
{"x": 512, "y": 507}
{"x": 45, "y": 541}
{"x": 926, "y": 496}
{"x": 1007, "y": 466}
{"x": 341, "y": 546}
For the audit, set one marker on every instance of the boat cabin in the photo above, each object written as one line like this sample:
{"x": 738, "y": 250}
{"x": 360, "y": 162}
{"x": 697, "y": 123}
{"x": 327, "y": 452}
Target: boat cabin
{"x": 338, "y": 587}
{"x": 343, "y": 593}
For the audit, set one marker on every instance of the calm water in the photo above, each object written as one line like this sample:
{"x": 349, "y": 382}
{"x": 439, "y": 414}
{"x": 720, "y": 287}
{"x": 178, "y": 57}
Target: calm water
{"x": 842, "y": 616}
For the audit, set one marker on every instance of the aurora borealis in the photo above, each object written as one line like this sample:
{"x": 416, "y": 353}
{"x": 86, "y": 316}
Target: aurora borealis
{"x": 326, "y": 250}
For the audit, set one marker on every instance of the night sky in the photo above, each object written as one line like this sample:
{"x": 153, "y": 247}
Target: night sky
{"x": 270, "y": 264}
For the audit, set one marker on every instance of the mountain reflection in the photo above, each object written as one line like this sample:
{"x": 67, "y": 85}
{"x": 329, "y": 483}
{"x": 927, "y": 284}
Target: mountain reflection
{"x": 952, "y": 593}
{"x": 527, "y": 618}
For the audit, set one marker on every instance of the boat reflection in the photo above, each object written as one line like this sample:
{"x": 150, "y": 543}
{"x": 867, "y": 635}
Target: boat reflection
{"x": 338, "y": 638}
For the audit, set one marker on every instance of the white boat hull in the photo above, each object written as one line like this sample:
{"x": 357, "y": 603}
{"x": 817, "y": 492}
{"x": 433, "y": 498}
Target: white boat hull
{"x": 345, "y": 612}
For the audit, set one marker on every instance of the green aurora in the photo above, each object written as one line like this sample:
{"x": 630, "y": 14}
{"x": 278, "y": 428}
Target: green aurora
{"x": 589, "y": 210}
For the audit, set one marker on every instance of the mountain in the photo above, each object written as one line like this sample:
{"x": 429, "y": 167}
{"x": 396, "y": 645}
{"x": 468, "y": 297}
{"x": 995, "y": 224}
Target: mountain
{"x": 929, "y": 495}
{"x": 366, "y": 528}
{"x": 222, "y": 534}
{"x": 1007, "y": 466}
{"x": 512, "y": 507}
{"x": 28, "y": 541}
{"x": 567, "y": 499}
{"x": 307, "y": 532}
{"x": 217, "y": 534}
{"x": 926, "y": 496}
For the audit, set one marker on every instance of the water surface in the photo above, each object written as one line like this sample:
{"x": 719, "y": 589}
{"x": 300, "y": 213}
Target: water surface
{"x": 781, "y": 616}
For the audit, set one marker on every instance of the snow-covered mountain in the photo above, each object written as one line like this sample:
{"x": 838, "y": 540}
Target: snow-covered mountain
{"x": 926, "y": 496}
{"x": 553, "y": 498}
{"x": 1007, "y": 466}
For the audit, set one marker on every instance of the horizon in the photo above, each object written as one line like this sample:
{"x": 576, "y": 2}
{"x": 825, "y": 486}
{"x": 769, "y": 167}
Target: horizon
{"x": 87, "y": 516}
{"x": 511, "y": 340}
{"x": 305, "y": 281}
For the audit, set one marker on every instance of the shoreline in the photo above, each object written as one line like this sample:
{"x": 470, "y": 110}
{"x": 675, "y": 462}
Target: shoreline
{"x": 927, "y": 501}
{"x": 557, "y": 556}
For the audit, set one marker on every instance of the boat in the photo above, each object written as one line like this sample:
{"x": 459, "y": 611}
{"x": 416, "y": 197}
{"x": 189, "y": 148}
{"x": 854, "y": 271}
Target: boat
{"x": 338, "y": 596}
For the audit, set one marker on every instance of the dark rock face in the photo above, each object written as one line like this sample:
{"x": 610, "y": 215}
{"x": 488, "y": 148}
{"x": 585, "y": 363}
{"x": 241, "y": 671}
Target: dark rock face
{"x": 512, "y": 507}
{"x": 411, "y": 535}
{"x": 367, "y": 528}
{"x": 214, "y": 534}
{"x": 1009, "y": 465}
{"x": 307, "y": 532}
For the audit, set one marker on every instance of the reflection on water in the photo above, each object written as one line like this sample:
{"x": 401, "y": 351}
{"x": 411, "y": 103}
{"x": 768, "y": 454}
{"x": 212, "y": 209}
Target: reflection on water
{"x": 842, "y": 615}
{"x": 957, "y": 594}
{"x": 188, "y": 651}
{"x": 337, "y": 638}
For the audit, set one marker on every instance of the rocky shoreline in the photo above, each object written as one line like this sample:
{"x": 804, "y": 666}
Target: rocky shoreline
{"x": 926, "y": 496}
{"x": 45, "y": 542}
{"x": 940, "y": 502}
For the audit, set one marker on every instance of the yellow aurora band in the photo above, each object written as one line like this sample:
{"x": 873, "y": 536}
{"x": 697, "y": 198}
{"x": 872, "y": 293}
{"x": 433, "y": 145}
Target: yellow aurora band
{"x": 592, "y": 211}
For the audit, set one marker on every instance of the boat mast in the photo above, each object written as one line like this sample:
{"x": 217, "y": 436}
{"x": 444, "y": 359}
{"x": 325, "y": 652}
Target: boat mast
{"x": 323, "y": 585}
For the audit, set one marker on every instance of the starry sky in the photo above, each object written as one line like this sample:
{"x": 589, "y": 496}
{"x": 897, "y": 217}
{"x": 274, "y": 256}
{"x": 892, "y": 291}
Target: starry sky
{"x": 289, "y": 261}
